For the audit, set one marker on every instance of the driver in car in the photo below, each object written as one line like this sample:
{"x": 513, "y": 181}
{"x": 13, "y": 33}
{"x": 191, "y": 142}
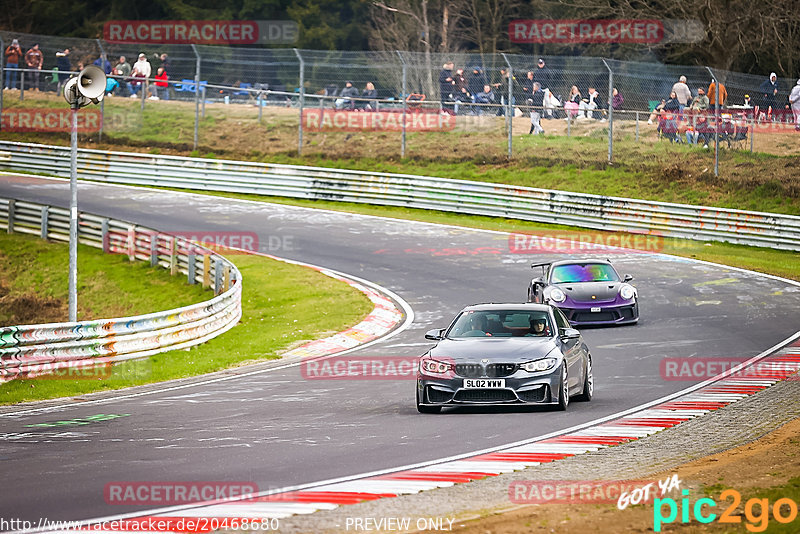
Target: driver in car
{"x": 538, "y": 326}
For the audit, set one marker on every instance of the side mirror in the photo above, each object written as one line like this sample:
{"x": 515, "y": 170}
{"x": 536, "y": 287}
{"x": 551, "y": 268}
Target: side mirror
{"x": 627, "y": 278}
{"x": 567, "y": 334}
{"x": 435, "y": 334}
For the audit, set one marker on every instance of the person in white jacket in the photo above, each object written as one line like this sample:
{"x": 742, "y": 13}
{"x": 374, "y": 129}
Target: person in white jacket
{"x": 794, "y": 100}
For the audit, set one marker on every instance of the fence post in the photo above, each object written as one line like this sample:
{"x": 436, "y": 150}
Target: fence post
{"x": 637, "y": 126}
{"x": 302, "y": 102}
{"x": 104, "y": 235}
{"x": 206, "y": 270}
{"x": 196, "y": 96}
{"x": 217, "y": 275}
{"x": 45, "y": 222}
{"x": 510, "y": 107}
{"x": 716, "y": 122}
{"x": 173, "y": 257}
{"x": 610, "y": 113}
{"x": 226, "y": 278}
{"x": 21, "y": 81}
{"x": 203, "y": 102}
{"x": 103, "y": 58}
{"x": 569, "y": 124}
{"x": 191, "y": 269}
{"x": 2, "y": 77}
{"x": 260, "y": 105}
{"x": 403, "y": 97}
{"x": 11, "y": 208}
{"x": 752, "y": 132}
{"x": 153, "y": 249}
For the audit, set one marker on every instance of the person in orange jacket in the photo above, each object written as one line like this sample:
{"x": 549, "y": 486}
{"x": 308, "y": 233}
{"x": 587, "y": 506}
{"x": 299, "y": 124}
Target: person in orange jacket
{"x": 712, "y": 95}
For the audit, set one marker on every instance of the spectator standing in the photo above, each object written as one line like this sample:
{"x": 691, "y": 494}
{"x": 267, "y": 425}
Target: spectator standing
{"x": 446, "y": 86}
{"x": 682, "y": 92}
{"x": 543, "y": 75}
{"x": 768, "y": 91}
{"x": 537, "y": 103}
{"x": 64, "y": 67}
{"x": 475, "y": 81}
{"x": 103, "y": 64}
{"x": 712, "y": 95}
{"x": 502, "y": 88}
{"x": 164, "y": 61}
{"x": 160, "y": 89}
{"x": 140, "y": 73}
{"x": 13, "y": 57}
{"x": 794, "y": 100}
{"x": 33, "y": 61}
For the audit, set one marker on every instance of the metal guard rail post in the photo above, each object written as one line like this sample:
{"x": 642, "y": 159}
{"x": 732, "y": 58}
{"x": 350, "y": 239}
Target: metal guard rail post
{"x": 31, "y": 350}
{"x": 463, "y": 196}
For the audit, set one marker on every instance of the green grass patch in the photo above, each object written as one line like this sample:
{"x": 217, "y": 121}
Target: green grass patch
{"x": 34, "y": 286}
{"x": 283, "y": 305}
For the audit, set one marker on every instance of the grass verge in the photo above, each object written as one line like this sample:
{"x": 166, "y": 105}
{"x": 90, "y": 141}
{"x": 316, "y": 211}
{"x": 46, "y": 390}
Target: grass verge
{"x": 282, "y": 305}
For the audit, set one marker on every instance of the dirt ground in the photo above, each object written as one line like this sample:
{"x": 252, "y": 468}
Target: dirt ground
{"x": 770, "y": 461}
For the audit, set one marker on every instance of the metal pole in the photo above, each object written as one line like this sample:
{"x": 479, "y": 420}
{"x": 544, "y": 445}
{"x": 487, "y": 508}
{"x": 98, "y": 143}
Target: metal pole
{"x": 21, "y": 84}
{"x": 104, "y": 58}
{"x": 510, "y": 108}
{"x": 637, "y": 126}
{"x": 404, "y": 96}
{"x": 752, "y": 133}
{"x": 610, "y": 113}
{"x": 196, "y": 96}
{"x": 73, "y": 218}
{"x": 302, "y": 103}
{"x": 260, "y": 105}
{"x": 716, "y": 122}
{"x": 203, "y": 102}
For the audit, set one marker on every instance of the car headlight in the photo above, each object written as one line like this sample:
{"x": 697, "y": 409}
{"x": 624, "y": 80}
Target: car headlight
{"x": 539, "y": 365}
{"x": 626, "y": 291}
{"x": 433, "y": 367}
{"x": 556, "y": 295}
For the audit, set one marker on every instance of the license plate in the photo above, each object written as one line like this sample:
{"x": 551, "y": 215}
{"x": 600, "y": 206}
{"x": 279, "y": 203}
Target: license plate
{"x": 595, "y": 310}
{"x": 480, "y": 383}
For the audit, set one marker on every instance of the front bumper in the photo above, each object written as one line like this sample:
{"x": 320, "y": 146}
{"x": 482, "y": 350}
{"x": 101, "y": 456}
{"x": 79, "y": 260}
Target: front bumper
{"x": 608, "y": 314}
{"x": 520, "y": 388}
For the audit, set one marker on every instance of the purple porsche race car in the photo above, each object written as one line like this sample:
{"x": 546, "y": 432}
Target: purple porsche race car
{"x": 589, "y": 292}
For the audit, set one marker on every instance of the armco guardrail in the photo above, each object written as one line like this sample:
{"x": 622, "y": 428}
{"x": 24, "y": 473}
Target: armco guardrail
{"x": 463, "y": 196}
{"x": 38, "y": 349}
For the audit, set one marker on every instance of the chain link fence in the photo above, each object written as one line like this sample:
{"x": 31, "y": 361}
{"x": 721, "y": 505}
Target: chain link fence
{"x": 320, "y": 94}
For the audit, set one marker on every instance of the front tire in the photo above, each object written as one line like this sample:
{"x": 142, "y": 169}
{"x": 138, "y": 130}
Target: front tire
{"x": 426, "y": 409}
{"x": 588, "y": 384}
{"x": 563, "y": 396}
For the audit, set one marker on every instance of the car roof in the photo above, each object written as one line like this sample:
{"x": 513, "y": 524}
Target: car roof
{"x": 579, "y": 262}
{"x": 492, "y": 306}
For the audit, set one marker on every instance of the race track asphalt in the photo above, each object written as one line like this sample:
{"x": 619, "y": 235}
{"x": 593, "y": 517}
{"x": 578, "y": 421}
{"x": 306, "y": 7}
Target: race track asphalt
{"x": 277, "y": 429}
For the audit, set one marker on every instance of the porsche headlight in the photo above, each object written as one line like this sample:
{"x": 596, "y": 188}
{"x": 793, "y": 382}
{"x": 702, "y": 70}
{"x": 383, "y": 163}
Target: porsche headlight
{"x": 626, "y": 291}
{"x": 556, "y": 295}
{"x": 433, "y": 367}
{"x": 539, "y": 365}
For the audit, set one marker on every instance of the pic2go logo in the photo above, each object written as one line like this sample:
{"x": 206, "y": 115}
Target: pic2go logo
{"x": 756, "y": 511}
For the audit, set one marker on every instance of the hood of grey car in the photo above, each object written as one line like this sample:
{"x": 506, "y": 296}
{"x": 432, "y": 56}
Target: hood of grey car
{"x": 583, "y": 291}
{"x": 496, "y": 349}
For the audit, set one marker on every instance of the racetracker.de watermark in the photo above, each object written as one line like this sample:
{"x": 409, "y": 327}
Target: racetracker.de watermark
{"x": 49, "y": 120}
{"x": 197, "y": 242}
{"x": 586, "y": 31}
{"x": 211, "y": 32}
{"x": 361, "y": 368}
{"x": 175, "y": 493}
{"x": 568, "y": 242}
{"x": 575, "y": 491}
{"x": 694, "y": 369}
{"x": 356, "y": 121}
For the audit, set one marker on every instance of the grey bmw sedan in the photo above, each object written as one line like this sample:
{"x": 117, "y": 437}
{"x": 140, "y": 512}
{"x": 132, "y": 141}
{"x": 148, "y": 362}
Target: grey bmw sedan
{"x": 495, "y": 354}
